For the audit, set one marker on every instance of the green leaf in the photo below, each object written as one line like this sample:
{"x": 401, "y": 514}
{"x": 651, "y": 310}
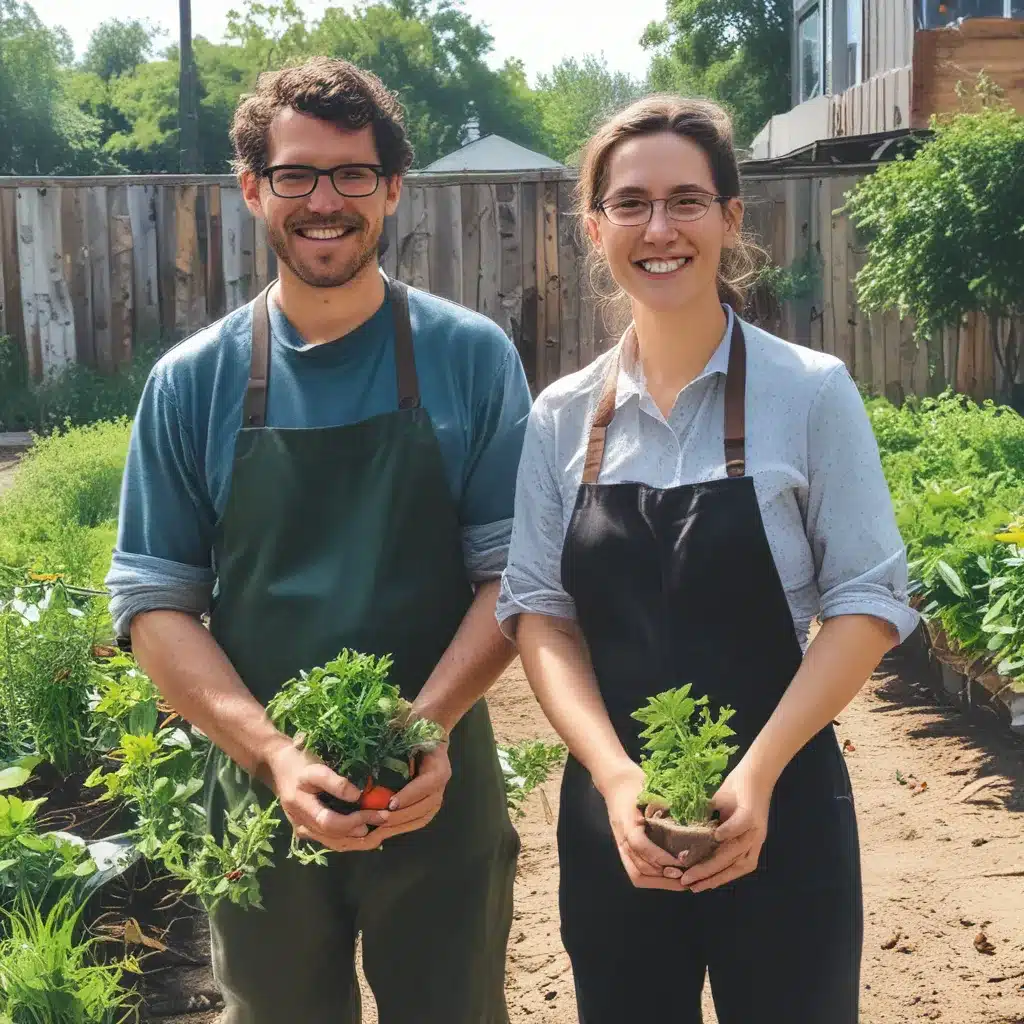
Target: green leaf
{"x": 952, "y": 578}
{"x": 12, "y": 778}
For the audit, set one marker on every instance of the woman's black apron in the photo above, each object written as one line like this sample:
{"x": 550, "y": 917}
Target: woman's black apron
{"x": 679, "y": 586}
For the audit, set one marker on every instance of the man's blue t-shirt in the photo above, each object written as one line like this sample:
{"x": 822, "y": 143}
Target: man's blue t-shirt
{"x": 178, "y": 473}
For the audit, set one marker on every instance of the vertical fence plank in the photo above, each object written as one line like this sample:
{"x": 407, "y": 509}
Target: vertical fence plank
{"x": 823, "y": 218}
{"x": 235, "y": 219}
{"x": 490, "y": 253}
{"x": 11, "y": 316}
{"x": 569, "y": 283}
{"x": 531, "y": 296}
{"x": 418, "y": 240}
{"x": 839, "y": 272}
{"x": 98, "y": 221}
{"x": 189, "y": 291}
{"x": 548, "y": 360}
{"x": 262, "y": 275}
{"x": 389, "y": 243}
{"x": 510, "y": 282}
{"x": 142, "y": 212}
{"x": 444, "y": 217}
{"x": 167, "y": 245}
{"x": 469, "y": 213}
{"x": 122, "y": 290}
{"x": 76, "y": 259}
{"x": 215, "y": 255}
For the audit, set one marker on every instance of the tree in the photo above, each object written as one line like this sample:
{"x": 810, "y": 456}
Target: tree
{"x": 734, "y": 51}
{"x": 575, "y": 97}
{"x": 944, "y": 229}
{"x": 41, "y": 130}
{"x": 117, "y": 47}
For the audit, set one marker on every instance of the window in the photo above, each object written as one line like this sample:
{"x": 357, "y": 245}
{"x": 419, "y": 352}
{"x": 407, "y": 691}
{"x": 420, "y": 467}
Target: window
{"x": 809, "y": 54}
{"x": 854, "y": 28}
{"x": 937, "y": 13}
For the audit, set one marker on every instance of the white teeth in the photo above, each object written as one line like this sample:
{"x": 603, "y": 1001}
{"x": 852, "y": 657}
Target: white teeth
{"x": 323, "y": 234}
{"x": 663, "y": 266}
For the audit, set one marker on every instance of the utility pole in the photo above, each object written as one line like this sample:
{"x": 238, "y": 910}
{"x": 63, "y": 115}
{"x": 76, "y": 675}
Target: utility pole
{"x": 188, "y": 96}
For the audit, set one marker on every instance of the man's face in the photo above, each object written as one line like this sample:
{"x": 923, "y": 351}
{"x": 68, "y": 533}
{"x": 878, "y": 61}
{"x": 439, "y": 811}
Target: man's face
{"x": 325, "y": 239}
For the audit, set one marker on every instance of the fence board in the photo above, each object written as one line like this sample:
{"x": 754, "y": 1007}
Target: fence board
{"x": 11, "y": 322}
{"x": 76, "y": 261}
{"x": 98, "y": 247}
{"x": 569, "y": 283}
{"x": 489, "y": 302}
{"x": 142, "y": 212}
{"x": 548, "y": 360}
{"x": 215, "y": 299}
{"x": 531, "y": 293}
{"x": 234, "y": 220}
{"x": 444, "y": 215}
{"x": 510, "y": 280}
{"x": 122, "y": 302}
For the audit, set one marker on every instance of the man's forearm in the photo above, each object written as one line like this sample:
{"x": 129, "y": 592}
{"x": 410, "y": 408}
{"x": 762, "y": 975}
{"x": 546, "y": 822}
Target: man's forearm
{"x": 477, "y": 655}
{"x": 196, "y": 678}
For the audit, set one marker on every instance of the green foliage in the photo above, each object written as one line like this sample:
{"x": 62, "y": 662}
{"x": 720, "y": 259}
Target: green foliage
{"x": 118, "y": 47}
{"x": 956, "y": 473}
{"x": 48, "y": 975}
{"x": 683, "y": 765}
{"x": 124, "y": 701}
{"x": 77, "y": 395}
{"x": 60, "y": 513}
{"x": 945, "y": 229}
{"x": 159, "y": 776}
{"x": 46, "y": 666}
{"x": 41, "y": 132}
{"x": 575, "y": 98}
{"x": 526, "y": 766}
{"x": 353, "y": 718}
{"x": 734, "y": 51}
{"x": 39, "y": 867}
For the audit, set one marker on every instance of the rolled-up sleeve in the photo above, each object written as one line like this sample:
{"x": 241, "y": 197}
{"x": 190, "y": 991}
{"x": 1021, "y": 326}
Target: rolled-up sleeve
{"x": 532, "y": 579}
{"x": 166, "y": 524}
{"x": 858, "y": 553}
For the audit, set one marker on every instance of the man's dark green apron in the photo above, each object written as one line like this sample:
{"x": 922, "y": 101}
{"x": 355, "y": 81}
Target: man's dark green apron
{"x": 349, "y": 537}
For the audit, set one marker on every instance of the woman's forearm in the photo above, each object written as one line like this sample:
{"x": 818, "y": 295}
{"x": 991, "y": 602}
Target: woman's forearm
{"x": 846, "y": 650}
{"x": 561, "y": 676}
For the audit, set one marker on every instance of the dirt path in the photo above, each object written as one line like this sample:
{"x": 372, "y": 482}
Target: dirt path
{"x": 8, "y": 462}
{"x": 938, "y": 869}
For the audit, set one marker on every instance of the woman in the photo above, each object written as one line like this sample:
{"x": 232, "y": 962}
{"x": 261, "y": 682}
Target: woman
{"x": 685, "y": 506}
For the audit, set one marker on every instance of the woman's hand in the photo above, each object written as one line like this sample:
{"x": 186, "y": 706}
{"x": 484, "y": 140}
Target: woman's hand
{"x": 742, "y": 803}
{"x": 648, "y": 866}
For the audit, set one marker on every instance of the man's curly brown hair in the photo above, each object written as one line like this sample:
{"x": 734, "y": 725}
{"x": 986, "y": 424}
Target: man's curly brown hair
{"x": 328, "y": 88}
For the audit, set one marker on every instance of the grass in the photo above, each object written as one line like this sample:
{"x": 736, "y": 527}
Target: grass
{"x": 60, "y": 514}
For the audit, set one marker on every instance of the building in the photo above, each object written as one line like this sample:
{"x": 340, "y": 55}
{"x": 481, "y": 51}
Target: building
{"x": 883, "y": 67}
{"x": 491, "y": 154}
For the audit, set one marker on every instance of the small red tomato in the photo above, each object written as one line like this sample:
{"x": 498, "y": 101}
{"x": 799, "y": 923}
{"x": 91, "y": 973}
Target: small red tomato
{"x": 233, "y": 876}
{"x": 376, "y": 798}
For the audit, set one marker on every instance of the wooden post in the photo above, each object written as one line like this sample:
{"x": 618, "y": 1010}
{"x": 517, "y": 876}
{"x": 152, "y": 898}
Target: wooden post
{"x": 188, "y": 95}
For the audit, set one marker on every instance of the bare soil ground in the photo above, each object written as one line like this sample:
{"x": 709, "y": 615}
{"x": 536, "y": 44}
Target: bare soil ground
{"x": 8, "y": 460}
{"x": 943, "y": 866}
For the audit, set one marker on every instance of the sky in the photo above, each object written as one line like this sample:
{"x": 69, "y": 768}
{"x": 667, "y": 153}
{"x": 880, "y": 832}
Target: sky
{"x": 539, "y": 32}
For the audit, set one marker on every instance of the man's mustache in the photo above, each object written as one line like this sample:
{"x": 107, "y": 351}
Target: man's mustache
{"x": 348, "y": 221}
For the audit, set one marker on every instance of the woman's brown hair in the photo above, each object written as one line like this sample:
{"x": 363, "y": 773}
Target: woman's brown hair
{"x": 704, "y": 123}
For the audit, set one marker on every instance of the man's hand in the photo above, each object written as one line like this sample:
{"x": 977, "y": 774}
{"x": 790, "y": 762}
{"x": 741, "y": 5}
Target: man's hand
{"x": 416, "y": 804}
{"x": 298, "y": 777}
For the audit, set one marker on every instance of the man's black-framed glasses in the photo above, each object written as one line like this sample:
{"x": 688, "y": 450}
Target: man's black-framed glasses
{"x": 296, "y": 181}
{"x": 635, "y": 211}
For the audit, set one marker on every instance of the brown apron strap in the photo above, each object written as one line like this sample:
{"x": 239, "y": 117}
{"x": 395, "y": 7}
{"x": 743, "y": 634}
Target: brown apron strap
{"x": 254, "y": 410}
{"x": 736, "y": 404}
{"x": 405, "y": 356}
{"x": 735, "y": 410}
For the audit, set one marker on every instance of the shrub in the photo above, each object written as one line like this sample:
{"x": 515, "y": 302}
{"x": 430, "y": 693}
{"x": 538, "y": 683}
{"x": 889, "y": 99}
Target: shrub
{"x": 60, "y": 513}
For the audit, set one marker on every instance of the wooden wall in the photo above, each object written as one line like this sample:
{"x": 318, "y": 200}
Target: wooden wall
{"x": 796, "y": 218}
{"x": 91, "y": 269}
{"x": 888, "y": 35}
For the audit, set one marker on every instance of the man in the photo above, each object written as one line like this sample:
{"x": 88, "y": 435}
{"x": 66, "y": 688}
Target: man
{"x": 333, "y": 466}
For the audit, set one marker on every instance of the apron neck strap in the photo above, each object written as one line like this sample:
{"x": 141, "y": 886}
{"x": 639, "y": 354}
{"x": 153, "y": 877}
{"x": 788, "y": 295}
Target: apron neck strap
{"x": 735, "y": 410}
{"x": 254, "y": 410}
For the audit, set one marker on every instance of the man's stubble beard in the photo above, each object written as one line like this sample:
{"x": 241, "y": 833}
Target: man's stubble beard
{"x": 368, "y": 254}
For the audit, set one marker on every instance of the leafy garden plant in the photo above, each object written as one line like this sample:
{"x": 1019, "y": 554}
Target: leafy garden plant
{"x": 525, "y": 766}
{"x": 351, "y": 717}
{"x": 686, "y": 758}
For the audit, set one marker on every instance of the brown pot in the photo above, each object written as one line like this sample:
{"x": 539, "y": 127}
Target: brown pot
{"x": 696, "y": 841}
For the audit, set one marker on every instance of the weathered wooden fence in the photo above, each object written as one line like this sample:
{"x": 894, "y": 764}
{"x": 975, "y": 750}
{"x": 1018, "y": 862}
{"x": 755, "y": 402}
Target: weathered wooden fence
{"x": 91, "y": 269}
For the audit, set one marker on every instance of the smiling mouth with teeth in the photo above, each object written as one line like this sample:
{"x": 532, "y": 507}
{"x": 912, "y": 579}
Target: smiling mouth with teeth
{"x": 664, "y": 266}
{"x": 323, "y": 234}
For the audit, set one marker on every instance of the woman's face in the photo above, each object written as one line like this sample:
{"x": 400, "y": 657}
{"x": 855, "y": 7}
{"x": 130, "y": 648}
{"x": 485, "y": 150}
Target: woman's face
{"x": 666, "y": 264}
